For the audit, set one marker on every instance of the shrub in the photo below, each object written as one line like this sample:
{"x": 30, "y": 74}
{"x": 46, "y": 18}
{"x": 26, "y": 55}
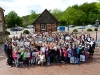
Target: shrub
{"x": 95, "y": 29}
{"x": 7, "y": 33}
{"x": 89, "y": 29}
{"x": 26, "y": 32}
{"x": 75, "y": 30}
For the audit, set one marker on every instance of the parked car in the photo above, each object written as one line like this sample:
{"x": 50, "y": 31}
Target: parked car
{"x": 30, "y": 26}
{"x": 14, "y": 29}
{"x": 81, "y": 27}
{"x": 20, "y": 28}
{"x": 89, "y": 25}
{"x": 70, "y": 26}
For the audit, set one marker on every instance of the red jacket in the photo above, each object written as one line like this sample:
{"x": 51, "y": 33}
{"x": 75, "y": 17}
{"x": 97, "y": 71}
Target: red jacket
{"x": 65, "y": 53}
{"x": 15, "y": 55}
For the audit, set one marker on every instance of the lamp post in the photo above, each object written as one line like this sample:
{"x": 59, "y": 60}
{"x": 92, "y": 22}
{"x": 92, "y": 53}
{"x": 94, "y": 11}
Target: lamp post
{"x": 16, "y": 30}
{"x": 97, "y": 23}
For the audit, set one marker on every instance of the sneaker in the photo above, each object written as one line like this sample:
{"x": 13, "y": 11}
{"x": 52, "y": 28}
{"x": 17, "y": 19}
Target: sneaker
{"x": 10, "y": 66}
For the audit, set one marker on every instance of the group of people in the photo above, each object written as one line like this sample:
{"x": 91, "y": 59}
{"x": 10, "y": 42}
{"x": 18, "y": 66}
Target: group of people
{"x": 45, "y": 49}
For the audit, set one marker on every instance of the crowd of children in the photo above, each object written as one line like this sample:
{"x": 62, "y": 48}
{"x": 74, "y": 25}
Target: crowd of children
{"x": 44, "y": 49}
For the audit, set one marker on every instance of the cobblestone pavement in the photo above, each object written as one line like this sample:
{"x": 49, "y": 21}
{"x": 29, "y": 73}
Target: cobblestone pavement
{"x": 91, "y": 67}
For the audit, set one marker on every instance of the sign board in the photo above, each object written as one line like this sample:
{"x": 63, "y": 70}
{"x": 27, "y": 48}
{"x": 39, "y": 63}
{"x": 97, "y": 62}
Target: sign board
{"x": 62, "y": 28}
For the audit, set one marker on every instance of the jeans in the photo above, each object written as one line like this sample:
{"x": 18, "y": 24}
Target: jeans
{"x": 55, "y": 58}
{"x": 65, "y": 59}
{"x": 59, "y": 59}
{"x": 48, "y": 60}
{"x": 16, "y": 62}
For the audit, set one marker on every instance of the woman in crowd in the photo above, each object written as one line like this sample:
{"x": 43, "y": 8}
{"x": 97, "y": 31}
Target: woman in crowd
{"x": 9, "y": 55}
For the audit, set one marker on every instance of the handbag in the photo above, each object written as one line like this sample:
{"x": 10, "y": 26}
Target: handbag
{"x": 72, "y": 60}
{"x": 82, "y": 58}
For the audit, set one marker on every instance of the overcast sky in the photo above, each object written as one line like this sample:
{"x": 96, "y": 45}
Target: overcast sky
{"x": 24, "y": 7}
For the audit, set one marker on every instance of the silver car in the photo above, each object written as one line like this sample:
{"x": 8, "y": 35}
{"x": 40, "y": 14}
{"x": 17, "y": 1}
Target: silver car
{"x": 30, "y": 26}
{"x": 81, "y": 27}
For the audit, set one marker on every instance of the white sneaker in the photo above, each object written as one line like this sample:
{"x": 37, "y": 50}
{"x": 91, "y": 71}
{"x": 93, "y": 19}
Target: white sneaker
{"x": 9, "y": 66}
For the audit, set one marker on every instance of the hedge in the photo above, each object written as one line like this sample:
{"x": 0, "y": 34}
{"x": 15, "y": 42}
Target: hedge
{"x": 89, "y": 29}
{"x": 26, "y": 32}
{"x": 75, "y": 30}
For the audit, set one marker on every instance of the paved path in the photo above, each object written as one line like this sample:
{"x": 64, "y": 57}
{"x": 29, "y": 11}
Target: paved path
{"x": 2, "y": 54}
{"x": 92, "y": 67}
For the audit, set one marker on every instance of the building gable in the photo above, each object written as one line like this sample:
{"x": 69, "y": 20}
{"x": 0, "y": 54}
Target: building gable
{"x": 45, "y": 17}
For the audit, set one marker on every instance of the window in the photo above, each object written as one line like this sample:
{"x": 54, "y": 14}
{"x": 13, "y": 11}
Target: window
{"x": 43, "y": 27}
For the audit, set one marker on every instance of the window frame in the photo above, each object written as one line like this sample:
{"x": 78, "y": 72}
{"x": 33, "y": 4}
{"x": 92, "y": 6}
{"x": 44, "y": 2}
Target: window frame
{"x": 43, "y": 26}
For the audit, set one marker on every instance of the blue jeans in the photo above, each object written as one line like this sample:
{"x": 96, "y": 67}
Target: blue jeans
{"x": 65, "y": 59}
{"x": 16, "y": 62}
{"x": 59, "y": 59}
{"x": 48, "y": 60}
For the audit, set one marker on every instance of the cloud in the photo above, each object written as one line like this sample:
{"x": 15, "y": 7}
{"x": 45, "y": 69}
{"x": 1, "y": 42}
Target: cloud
{"x": 24, "y": 7}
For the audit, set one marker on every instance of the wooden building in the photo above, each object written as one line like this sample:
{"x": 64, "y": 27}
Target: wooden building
{"x": 45, "y": 22}
{"x": 2, "y": 21}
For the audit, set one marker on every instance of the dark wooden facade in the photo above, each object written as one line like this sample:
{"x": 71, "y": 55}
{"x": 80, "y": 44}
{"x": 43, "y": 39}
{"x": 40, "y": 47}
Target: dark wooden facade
{"x": 45, "y": 22}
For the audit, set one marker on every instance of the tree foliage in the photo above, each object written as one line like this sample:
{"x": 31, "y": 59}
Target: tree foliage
{"x": 85, "y": 13}
{"x": 13, "y": 19}
{"x": 32, "y": 17}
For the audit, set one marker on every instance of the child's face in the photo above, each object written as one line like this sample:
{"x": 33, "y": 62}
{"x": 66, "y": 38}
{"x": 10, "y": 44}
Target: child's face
{"x": 15, "y": 50}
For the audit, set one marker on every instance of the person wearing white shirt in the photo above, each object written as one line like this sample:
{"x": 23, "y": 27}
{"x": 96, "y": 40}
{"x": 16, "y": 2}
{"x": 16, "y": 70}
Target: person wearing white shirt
{"x": 42, "y": 58}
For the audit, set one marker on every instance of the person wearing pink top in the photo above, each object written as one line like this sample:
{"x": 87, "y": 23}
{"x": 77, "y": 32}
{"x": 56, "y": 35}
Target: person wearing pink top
{"x": 15, "y": 57}
{"x": 65, "y": 54}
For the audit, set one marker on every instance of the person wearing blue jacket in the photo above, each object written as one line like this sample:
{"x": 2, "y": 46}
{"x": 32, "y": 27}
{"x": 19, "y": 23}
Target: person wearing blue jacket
{"x": 5, "y": 46}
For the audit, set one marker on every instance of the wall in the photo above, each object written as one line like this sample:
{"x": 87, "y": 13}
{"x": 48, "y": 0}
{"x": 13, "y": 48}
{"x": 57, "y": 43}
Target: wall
{"x": 49, "y": 28}
{"x": 37, "y": 27}
{"x": 1, "y": 21}
{"x": 54, "y": 27}
{"x": 3, "y": 38}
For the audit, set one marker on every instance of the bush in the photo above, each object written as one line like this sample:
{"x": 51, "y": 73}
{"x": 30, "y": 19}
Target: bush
{"x": 89, "y": 29}
{"x": 95, "y": 29}
{"x": 75, "y": 30}
{"x": 7, "y": 33}
{"x": 26, "y": 32}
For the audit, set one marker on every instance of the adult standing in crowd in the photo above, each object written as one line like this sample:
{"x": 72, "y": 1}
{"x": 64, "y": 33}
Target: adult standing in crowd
{"x": 9, "y": 55}
{"x": 5, "y": 48}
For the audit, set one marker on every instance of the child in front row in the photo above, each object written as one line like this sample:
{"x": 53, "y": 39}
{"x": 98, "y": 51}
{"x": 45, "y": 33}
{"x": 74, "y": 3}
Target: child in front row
{"x": 16, "y": 57}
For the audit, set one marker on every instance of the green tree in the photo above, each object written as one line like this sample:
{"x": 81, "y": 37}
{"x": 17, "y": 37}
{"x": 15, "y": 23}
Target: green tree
{"x": 98, "y": 5}
{"x": 13, "y": 19}
{"x": 88, "y": 7}
{"x": 58, "y": 14}
{"x": 92, "y": 17}
{"x": 32, "y": 17}
{"x": 73, "y": 16}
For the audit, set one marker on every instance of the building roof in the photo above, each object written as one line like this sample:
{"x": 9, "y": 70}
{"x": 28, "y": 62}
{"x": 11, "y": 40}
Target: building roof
{"x": 45, "y": 17}
{"x": 2, "y": 9}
